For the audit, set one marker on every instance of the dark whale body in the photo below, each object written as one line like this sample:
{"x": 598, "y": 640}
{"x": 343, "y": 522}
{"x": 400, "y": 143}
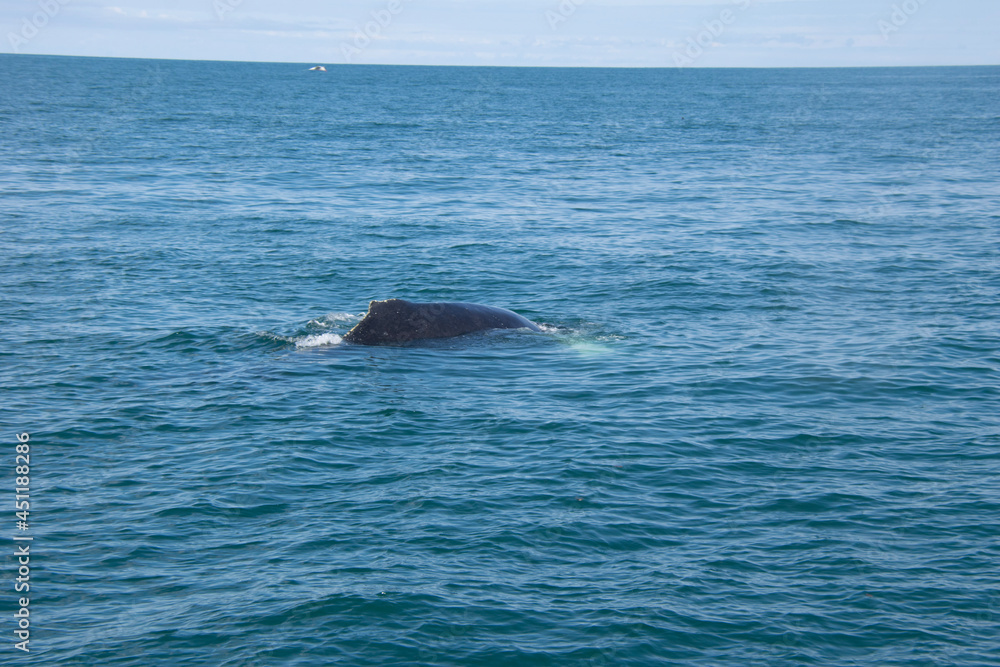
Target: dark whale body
{"x": 396, "y": 321}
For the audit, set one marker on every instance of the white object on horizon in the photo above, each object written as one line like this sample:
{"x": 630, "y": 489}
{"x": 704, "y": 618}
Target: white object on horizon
{"x": 318, "y": 68}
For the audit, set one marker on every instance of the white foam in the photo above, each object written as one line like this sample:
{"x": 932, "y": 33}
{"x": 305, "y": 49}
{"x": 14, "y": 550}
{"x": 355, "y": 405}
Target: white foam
{"x": 318, "y": 340}
{"x": 330, "y": 319}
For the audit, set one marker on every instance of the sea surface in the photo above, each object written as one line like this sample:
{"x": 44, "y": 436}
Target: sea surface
{"x": 761, "y": 425}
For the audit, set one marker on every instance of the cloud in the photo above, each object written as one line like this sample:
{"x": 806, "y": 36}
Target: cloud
{"x": 516, "y": 32}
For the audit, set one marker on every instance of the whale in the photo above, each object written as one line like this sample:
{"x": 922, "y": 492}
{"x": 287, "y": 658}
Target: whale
{"x": 395, "y": 321}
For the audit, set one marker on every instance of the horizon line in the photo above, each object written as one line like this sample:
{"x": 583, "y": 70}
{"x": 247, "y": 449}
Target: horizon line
{"x": 645, "y": 67}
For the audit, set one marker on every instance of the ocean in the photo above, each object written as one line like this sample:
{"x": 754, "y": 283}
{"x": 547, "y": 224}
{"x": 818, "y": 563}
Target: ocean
{"x": 760, "y": 426}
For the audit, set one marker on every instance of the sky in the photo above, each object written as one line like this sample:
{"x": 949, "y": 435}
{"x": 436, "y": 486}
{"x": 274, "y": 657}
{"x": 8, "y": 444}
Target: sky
{"x": 570, "y": 33}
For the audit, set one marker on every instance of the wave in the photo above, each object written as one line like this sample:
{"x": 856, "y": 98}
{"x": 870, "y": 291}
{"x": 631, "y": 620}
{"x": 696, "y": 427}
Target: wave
{"x": 334, "y": 319}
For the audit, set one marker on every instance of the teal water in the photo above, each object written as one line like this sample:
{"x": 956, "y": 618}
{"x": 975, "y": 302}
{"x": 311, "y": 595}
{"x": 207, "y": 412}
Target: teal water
{"x": 761, "y": 426}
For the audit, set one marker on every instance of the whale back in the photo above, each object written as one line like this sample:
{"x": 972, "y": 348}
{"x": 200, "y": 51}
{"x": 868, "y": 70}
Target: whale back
{"x": 398, "y": 321}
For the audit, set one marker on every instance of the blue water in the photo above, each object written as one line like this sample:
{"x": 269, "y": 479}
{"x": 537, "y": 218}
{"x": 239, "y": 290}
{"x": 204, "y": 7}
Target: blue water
{"x": 761, "y": 426}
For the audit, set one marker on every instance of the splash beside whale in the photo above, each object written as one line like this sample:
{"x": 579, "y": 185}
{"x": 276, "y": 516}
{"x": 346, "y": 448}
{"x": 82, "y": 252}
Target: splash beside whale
{"x": 396, "y": 321}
